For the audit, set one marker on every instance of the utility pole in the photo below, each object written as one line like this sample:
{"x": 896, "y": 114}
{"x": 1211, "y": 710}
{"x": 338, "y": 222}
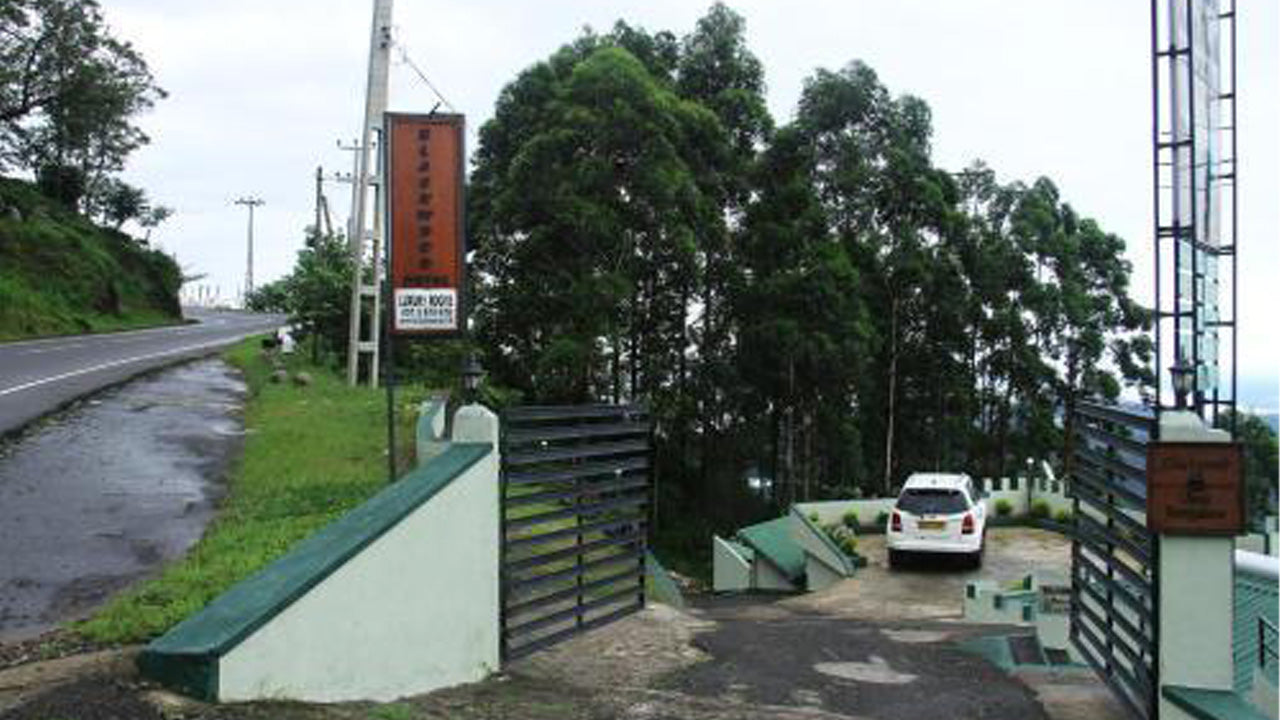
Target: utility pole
{"x": 251, "y": 203}
{"x": 319, "y": 198}
{"x": 374, "y": 107}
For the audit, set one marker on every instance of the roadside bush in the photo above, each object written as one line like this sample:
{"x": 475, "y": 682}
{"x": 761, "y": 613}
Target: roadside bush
{"x": 1063, "y": 517}
{"x": 1040, "y": 510}
{"x": 882, "y": 518}
{"x": 851, "y": 520}
{"x": 1004, "y": 508}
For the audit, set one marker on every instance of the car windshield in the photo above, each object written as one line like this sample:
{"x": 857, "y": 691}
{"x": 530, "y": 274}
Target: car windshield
{"x": 932, "y": 501}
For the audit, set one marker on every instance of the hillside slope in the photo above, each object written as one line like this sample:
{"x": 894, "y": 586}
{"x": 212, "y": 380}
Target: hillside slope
{"x": 61, "y": 274}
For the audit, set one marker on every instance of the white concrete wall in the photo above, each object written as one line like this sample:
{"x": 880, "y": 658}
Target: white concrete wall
{"x": 814, "y": 541}
{"x": 415, "y": 611}
{"x": 766, "y": 577}
{"x": 730, "y": 572}
{"x": 1029, "y": 491}
{"x": 819, "y": 575}
{"x": 430, "y": 436}
{"x": 833, "y": 511}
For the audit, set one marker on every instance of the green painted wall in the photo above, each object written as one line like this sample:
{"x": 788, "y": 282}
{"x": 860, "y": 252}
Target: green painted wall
{"x": 1256, "y": 596}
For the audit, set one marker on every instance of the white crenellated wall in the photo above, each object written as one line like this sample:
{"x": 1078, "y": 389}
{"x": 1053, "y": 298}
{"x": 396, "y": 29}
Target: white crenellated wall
{"x": 1028, "y": 491}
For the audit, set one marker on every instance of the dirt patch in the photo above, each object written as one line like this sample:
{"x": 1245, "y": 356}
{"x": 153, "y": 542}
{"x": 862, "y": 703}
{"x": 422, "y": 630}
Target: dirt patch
{"x": 630, "y": 653}
{"x": 34, "y": 688}
{"x": 48, "y": 646}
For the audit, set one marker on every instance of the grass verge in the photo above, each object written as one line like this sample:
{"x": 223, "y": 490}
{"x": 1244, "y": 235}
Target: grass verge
{"x": 311, "y": 454}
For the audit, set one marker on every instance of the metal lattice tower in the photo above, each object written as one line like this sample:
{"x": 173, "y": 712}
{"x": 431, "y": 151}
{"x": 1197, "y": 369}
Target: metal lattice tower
{"x": 1194, "y": 100}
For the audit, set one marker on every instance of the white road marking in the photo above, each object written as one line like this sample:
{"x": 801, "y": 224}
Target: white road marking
{"x": 113, "y": 363}
{"x": 42, "y": 351}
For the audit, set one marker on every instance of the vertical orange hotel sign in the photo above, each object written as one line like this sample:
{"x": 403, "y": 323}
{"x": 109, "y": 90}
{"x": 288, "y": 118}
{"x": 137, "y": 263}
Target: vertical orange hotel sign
{"x": 424, "y": 156}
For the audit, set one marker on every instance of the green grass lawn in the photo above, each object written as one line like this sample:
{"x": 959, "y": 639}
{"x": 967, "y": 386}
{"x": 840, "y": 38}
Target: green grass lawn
{"x": 311, "y": 454}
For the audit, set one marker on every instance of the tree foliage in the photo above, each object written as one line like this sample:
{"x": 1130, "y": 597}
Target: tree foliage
{"x": 316, "y": 295}
{"x": 69, "y": 95}
{"x": 817, "y": 302}
{"x": 1261, "y": 460}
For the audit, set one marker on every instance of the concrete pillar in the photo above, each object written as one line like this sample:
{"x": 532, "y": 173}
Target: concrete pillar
{"x": 475, "y": 423}
{"x": 1197, "y": 586}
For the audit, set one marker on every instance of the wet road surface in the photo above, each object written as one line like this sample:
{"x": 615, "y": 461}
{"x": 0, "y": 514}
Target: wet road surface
{"x": 39, "y": 376}
{"x": 104, "y": 492}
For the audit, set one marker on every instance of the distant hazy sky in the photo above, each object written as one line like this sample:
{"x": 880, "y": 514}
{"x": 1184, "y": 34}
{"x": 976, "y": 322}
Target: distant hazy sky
{"x": 260, "y": 92}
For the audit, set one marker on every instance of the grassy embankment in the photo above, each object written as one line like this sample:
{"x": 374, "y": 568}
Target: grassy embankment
{"x": 311, "y": 454}
{"x": 61, "y": 274}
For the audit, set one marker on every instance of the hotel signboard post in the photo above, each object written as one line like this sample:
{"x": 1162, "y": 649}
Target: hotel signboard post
{"x": 426, "y": 249}
{"x": 425, "y": 215}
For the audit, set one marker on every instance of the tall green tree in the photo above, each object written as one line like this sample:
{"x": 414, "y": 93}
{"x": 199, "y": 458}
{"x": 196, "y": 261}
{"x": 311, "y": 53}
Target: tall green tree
{"x": 889, "y": 207}
{"x": 586, "y": 223}
{"x": 1090, "y": 329}
{"x": 70, "y": 93}
{"x": 1261, "y": 460}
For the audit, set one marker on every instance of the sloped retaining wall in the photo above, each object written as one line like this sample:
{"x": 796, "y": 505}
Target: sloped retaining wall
{"x": 398, "y": 597}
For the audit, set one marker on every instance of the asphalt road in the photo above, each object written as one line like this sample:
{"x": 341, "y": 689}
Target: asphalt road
{"x": 39, "y": 376}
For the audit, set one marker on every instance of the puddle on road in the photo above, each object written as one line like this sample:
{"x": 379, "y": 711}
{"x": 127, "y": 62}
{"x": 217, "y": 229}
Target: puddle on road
{"x": 99, "y": 495}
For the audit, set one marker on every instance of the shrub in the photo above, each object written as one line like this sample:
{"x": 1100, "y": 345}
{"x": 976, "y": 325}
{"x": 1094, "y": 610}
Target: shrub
{"x": 882, "y": 518}
{"x": 813, "y": 517}
{"x": 850, "y": 546}
{"x": 1040, "y": 510}
{"x": 1004, "y": 508}
{"x": 843, "y": 538}
{"x": 1063, "y": 517}
{"x": 851, "y": 520}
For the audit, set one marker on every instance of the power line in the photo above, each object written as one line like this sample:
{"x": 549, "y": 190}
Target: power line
{"x": 404, "y": 57}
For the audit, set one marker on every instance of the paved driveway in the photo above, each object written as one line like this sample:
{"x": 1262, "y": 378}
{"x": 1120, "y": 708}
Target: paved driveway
{"x": 882, "y": 645}
{"x": 933, "y": 588}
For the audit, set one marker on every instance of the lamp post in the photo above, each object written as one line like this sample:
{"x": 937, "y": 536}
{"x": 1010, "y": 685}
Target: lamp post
{"x": 1181, "y": 374}
{"x": 471, "y": 374}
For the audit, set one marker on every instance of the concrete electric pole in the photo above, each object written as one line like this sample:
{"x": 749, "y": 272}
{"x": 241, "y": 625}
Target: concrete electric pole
{"x": 370, "y": 141}
{"x": 251, "y": 203}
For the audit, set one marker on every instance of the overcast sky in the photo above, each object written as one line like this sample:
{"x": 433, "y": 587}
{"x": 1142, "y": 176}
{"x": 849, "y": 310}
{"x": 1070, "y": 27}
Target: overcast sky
{"x": 261, "y": 91}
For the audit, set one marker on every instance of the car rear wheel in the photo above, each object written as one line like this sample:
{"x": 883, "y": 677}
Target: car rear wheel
{"x": 895, "y": 559}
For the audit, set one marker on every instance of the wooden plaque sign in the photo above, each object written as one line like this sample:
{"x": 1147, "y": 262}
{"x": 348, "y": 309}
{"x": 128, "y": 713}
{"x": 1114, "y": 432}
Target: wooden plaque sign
{"x": 424, "y": 171}
{"x": 1195, "y": 489}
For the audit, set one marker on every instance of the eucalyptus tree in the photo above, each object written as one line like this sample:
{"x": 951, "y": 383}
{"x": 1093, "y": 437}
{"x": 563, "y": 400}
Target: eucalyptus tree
{"x": 1095, "y": 336}
{"x": 587, "y": 211}
{"x": 803, "y": 325}
{"x": 889, "y": 207}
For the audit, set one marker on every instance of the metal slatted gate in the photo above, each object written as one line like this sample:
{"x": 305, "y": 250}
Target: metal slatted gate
{"x": 1115, "y": 608}
{"x": 575, "y": 498}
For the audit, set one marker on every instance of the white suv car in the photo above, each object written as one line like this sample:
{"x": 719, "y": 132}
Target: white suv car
{"x": 937, "y": 513}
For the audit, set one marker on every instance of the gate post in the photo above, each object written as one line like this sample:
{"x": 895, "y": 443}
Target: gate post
{"x": 475, "y": 423}
{"x": 1196, "y": 588}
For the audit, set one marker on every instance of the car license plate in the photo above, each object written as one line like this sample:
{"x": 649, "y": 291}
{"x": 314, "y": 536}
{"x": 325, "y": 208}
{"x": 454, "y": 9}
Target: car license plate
{"x": 931, "y": 524}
